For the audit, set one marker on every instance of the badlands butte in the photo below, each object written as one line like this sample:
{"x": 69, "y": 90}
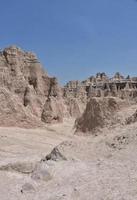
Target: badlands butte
{"x": 76, "y": 142}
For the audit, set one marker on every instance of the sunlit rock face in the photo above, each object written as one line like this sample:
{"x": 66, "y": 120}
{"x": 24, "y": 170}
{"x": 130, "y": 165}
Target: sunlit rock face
{"x": 29, "y": 96}
{"x": 25, "y": 88}
{"x": 102, "y": 86}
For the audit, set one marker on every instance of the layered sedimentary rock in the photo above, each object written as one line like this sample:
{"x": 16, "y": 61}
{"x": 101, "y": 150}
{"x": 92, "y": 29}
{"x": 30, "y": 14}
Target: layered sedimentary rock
{"x": 29, "y": 97}
{"x": 102, "y": 86}
{"x": 26, "y": 91}
{"x": 100, "y": 97}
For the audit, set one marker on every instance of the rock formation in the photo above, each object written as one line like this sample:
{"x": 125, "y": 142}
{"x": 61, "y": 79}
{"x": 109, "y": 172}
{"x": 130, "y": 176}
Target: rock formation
{"x": 102, "y": 86}
{"x": 30, "y": 98}
{"x": 52, "y": 111}
{"x": 77, "y": 94}
{"x": 55, "y": 155}
{"x": 99, "y": 113}
{"x": 27, "y": 94}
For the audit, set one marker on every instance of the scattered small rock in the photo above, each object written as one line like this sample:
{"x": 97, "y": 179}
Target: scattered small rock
{"x": 24, "y": 167}
{"x": 27, "y": 187}
{"x": 41, "y": 175}
{"x": 132, "y": 119}
{"x": 56, "y": 155}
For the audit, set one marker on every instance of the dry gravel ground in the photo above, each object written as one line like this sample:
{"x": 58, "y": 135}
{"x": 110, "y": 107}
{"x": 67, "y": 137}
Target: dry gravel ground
{"x": 102, "y": 167}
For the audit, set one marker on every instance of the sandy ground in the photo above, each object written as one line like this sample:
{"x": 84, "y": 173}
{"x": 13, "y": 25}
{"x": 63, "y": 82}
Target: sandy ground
{"x": 102, "y": 167}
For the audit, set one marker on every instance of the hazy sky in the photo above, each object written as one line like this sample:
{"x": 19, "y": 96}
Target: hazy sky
{"x": 74, "y": 38}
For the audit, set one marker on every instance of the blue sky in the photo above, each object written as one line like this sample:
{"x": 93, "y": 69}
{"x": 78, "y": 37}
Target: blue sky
{"x": 74, "y": 38}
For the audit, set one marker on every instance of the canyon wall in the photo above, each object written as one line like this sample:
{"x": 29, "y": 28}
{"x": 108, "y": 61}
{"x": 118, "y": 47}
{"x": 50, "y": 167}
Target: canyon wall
{"x": 30, "y": 98}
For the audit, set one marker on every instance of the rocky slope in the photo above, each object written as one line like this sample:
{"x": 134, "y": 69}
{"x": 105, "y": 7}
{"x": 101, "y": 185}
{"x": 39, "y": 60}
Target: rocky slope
{"x": 99, "y": 112}
{"x": 54, "y": 163}
{"x": 101, "y": 86}
{"x": 28, "y": 96}
{"x": 93, "y": 98}
{"x": 57, "y": 165}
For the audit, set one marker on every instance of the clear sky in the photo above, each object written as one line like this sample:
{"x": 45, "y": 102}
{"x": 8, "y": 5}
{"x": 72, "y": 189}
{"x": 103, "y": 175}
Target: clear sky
{"x": 74, "y": 38}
